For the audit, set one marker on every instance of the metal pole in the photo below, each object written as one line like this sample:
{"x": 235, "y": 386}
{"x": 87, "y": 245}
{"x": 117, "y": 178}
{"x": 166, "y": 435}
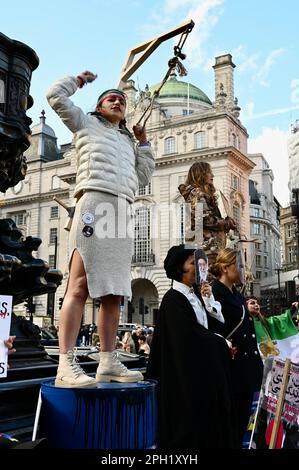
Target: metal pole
{"x": 55, "y": 253}
{"x": 278, "y": 277}
{"x": 30, "y": 308}
{"x": 53, "y": 294}
{"x": 295, "y": 213}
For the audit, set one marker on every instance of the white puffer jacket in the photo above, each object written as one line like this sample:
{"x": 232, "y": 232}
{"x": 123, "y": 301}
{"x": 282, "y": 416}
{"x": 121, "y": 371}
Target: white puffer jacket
{"x": 107, "y": 159}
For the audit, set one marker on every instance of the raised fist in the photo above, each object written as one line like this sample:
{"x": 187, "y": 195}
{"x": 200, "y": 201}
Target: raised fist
{"x": 88, "y": 76}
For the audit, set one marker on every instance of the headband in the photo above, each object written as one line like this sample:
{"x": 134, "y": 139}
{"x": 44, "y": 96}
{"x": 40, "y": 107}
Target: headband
{"x": 106, "y": 93}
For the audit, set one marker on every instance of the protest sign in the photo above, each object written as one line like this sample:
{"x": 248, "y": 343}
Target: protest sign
{"x": 278, "y": 388}
{"x": 5, "y": 320}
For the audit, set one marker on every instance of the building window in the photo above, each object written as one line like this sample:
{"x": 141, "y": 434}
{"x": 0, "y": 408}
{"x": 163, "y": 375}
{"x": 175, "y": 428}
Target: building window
{"x": 186, "y": 112}
{"x": 200, "y": 140}
{"x": 18, "y": 217}
{"x": 144, "y": 190}
{"x": 292, "y": 254}
{"x": 266, "y": 274}
{"x": 169, "y": 145}
{"x": 234, "y": 139}
{"x": 55, "y": 182}
{"x": 265, "y": 246}
{"x": 54, "y": 212}
{"x": 258, "y": 260}
{"x": 257, "y": 246}
{"x": 290, "y": 230}
{"x": 235, "y": 182}
{"x": 142, "y": 240}
{"x": 256, "y": 229}
{"x": 51, "y": 261}
{"x": 53, "y": 235}
{"x": 265, "y": 261}
{"x": 256, "y": 212}
{"x": 258, "y": 275}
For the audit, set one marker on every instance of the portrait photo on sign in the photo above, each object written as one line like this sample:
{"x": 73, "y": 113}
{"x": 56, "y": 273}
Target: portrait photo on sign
{"x": 201, "y": 266}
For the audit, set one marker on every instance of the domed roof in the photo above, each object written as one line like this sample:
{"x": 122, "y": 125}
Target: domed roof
{"x": 42, "y": 127}
{"x": 174, "y": 88}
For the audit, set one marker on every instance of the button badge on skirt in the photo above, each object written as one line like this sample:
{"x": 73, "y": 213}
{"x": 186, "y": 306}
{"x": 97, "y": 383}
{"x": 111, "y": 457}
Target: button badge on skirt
{"x": 88, "y": 218}
{"x": 87, "y": 231}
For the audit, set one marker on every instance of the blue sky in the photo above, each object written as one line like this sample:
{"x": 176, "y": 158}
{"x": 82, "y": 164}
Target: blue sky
{"x": 70, "y": 36}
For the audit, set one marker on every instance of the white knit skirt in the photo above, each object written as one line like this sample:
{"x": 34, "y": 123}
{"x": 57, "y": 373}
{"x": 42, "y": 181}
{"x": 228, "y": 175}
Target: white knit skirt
{"x": 102, "y": 232}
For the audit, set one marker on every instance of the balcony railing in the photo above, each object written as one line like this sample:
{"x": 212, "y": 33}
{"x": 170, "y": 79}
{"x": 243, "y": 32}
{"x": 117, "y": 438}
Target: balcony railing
{"x": 143, "y": 258}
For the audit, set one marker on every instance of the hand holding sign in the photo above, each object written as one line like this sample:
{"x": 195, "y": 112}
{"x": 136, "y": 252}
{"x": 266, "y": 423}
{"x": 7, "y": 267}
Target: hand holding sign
{"x": 9, "y": 344}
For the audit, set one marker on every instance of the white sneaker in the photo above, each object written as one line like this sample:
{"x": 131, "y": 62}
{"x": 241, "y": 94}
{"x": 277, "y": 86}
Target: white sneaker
{"x": 111, "y": 369}
{"x": 71, "y": 374}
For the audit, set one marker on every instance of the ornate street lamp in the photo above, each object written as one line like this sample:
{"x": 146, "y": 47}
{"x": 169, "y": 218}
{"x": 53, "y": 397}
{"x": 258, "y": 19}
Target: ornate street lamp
{"x": 21, "y": 275}
{"x": 17, "y": 62}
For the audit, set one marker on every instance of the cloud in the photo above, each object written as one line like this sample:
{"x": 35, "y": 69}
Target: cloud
{"x": 249, "y": 63}
{"x": 262, "y": 76}
{"x": 204, "y": 13}
{"x": 272, "y": 143}
{"x": 255, "y": 63}
{"x": 248, "y": 113}
{"x": 295, "y": 90}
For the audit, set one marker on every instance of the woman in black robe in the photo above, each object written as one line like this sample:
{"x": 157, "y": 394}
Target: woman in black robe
{"x": 191, "y": 365}
{"x": 247, "y": 367}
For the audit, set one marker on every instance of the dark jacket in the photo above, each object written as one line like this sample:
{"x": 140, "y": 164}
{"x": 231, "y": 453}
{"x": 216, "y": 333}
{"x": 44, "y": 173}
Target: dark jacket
{"x": 192, "y": 366}
{"x": 247, "y": 367}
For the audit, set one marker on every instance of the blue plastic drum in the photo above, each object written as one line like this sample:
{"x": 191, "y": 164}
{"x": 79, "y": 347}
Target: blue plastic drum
{"x": 111, "y": 416}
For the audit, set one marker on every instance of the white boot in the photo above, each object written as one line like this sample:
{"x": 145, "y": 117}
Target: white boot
{"x": 111, "y": 369}
{"x": 70, "y": 373}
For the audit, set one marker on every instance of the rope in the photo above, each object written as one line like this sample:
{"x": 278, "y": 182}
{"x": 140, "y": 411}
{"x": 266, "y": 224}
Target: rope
{"x": 173, "y": 63}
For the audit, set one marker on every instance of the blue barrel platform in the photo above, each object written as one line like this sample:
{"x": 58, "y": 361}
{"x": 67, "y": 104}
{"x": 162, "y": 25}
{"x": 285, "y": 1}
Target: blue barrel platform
{"x": 111, "y": 416}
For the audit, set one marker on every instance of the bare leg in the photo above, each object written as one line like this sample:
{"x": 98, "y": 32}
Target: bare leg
{"x": 73, "y": 304}
{"x": 108, "y": 322}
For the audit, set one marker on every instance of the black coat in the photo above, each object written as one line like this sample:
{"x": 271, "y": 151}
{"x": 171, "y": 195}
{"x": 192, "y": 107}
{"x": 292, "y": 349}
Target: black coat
{"x": 247, "y": 367}
{"x": 192, "y": 366}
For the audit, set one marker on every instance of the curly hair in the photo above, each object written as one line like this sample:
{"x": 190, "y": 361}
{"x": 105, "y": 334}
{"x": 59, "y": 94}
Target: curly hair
{"x": 197, "y": 178}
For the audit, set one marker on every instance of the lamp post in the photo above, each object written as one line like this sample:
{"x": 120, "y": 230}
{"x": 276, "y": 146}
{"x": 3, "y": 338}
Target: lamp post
{"x": 141, "y": 309}
{"x": 278, "y": 278}
{"x": 295, "y": 213}
{"x": 51, "y": 295}
{"x": 17, "y": 61}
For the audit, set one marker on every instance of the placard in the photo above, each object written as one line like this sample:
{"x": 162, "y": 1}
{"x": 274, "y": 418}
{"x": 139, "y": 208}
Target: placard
{"x": 5, "y": 321}
{"x": 289, "y": 421}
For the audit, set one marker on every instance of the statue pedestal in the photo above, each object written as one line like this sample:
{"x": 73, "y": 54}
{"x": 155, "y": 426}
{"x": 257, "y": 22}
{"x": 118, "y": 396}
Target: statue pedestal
{"x": 111, "y": 416}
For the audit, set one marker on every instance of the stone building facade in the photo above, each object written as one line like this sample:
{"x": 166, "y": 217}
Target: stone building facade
{"x": 185, "y": 127}
{"x": 264, "y": 221}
